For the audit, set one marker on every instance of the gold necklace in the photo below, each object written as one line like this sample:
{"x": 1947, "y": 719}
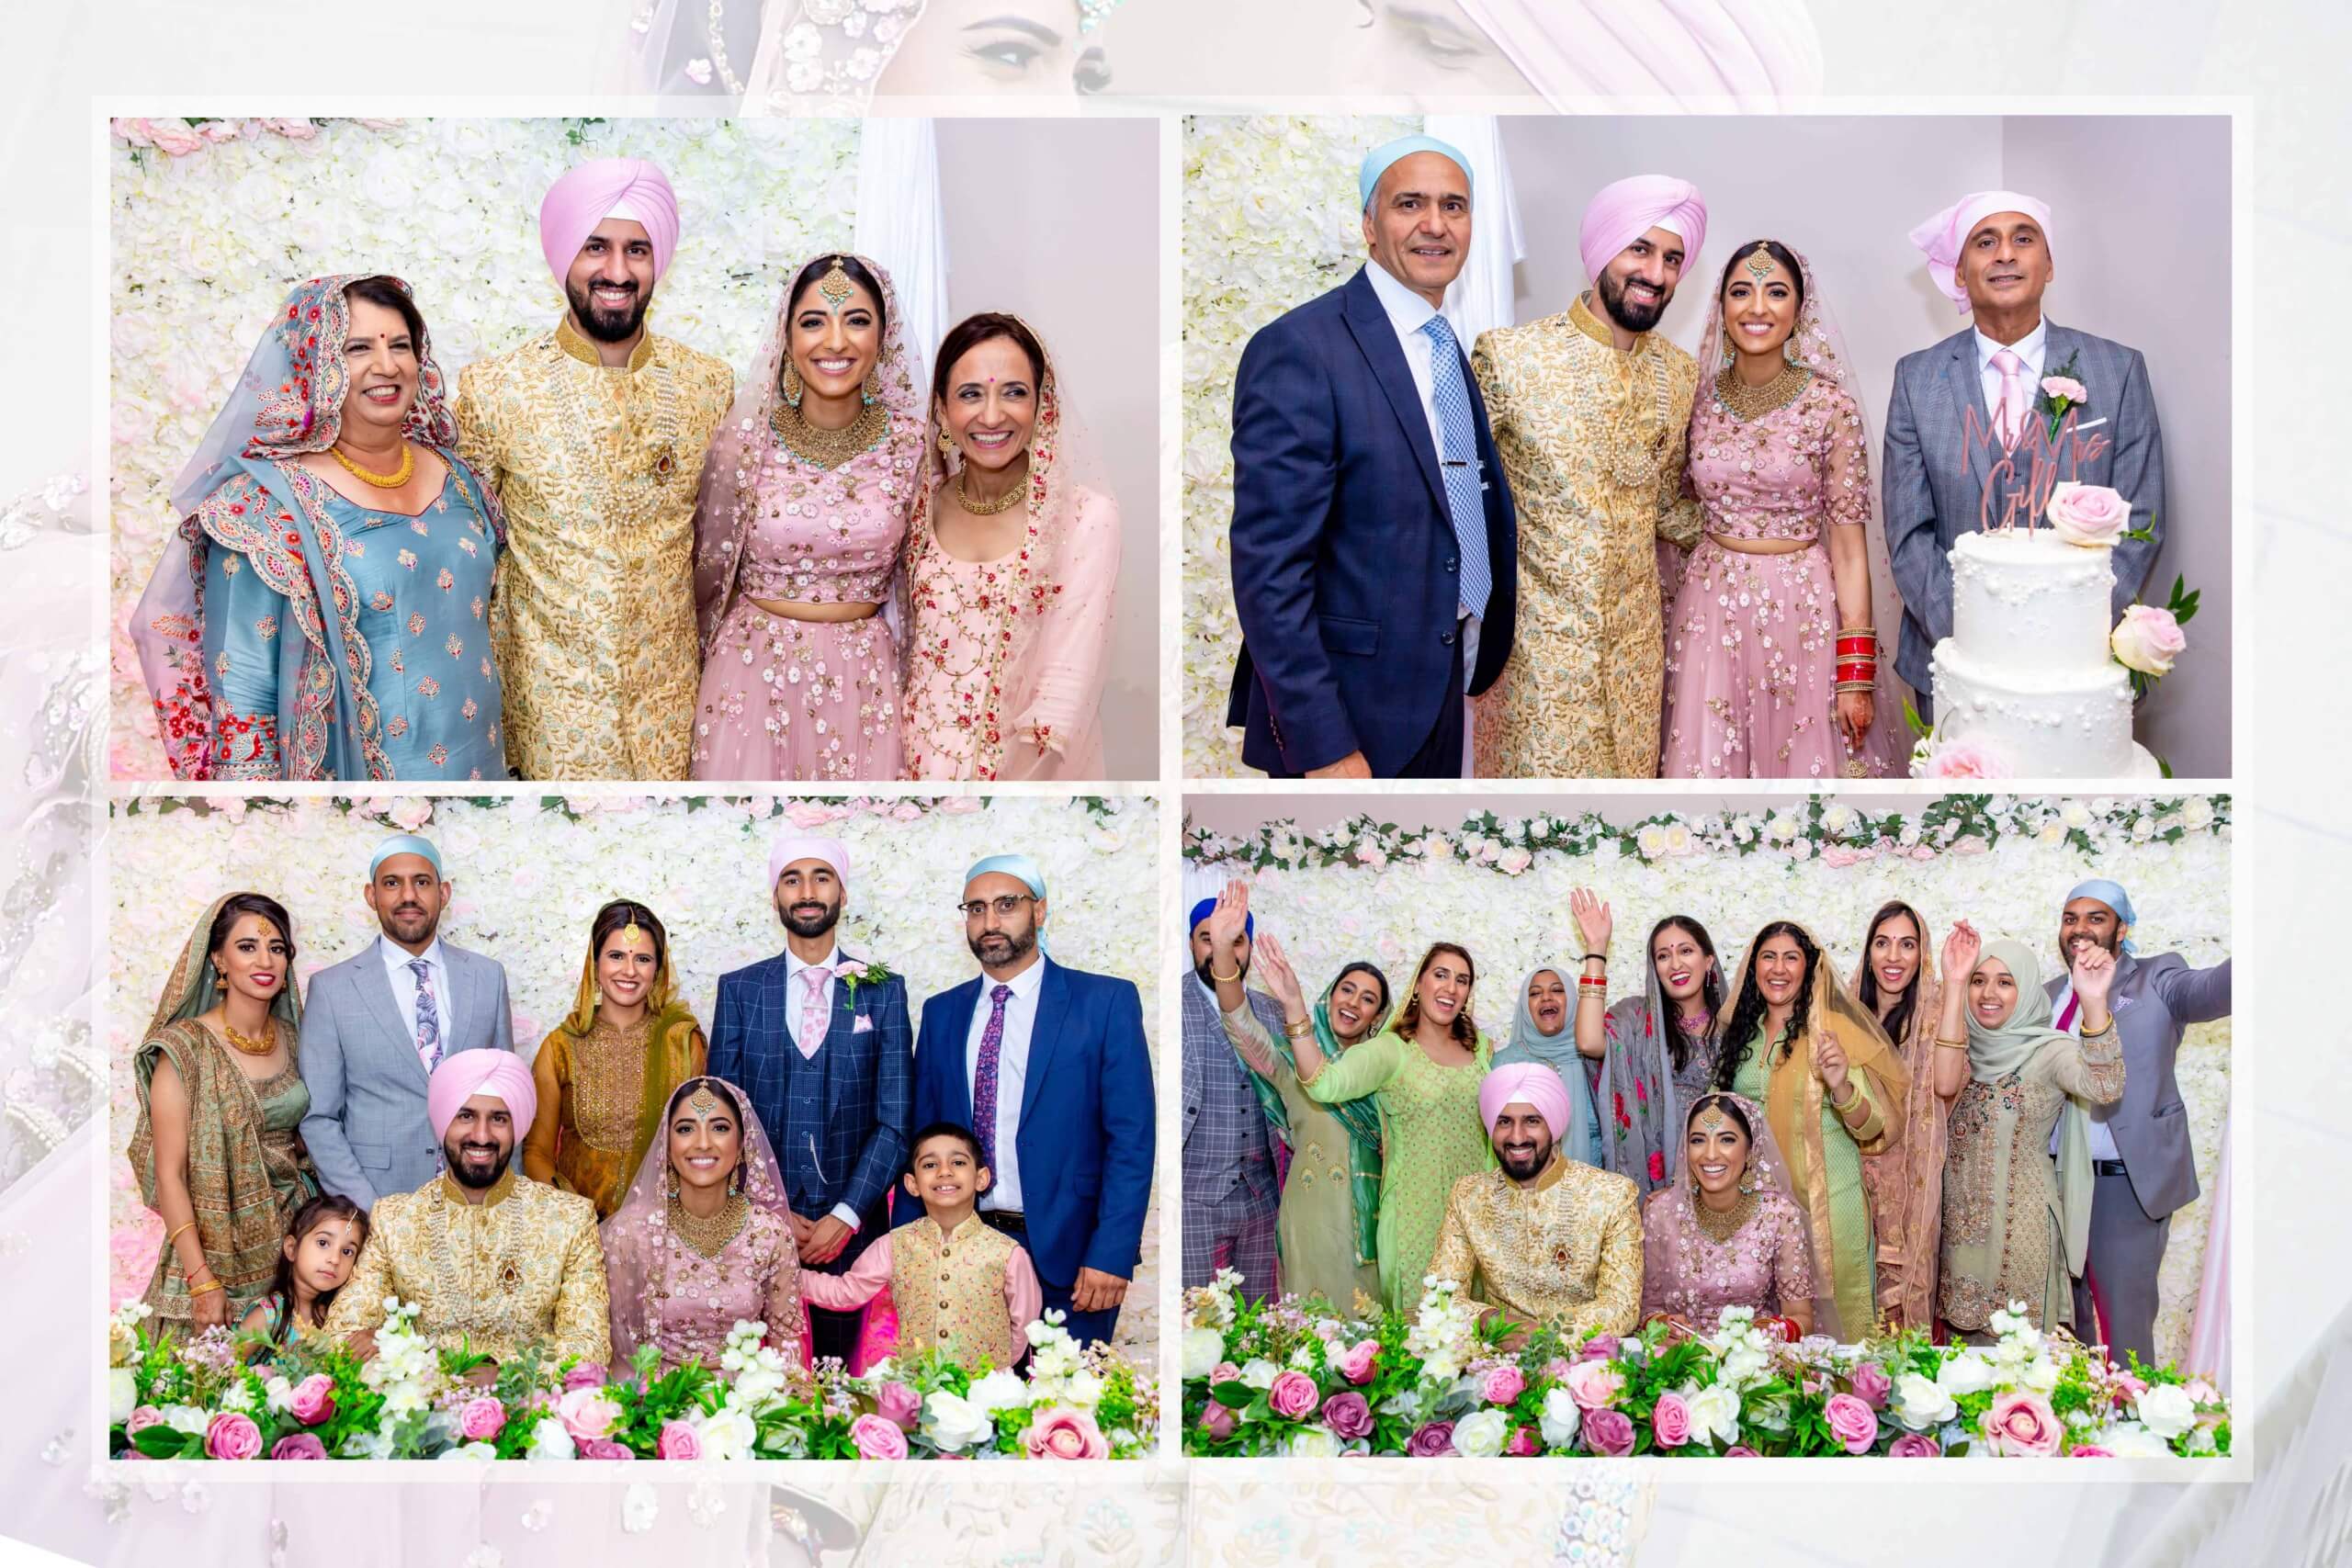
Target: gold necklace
{"x": 245, "y": 1044}
{"x": 1725, "y": 1226}
{"x": 1005, "y": 503}
{"x": 709, "y": 1237}
{"x": 822, "y": 448}
{"x": 382, "y": 481}
{"x": 1753, "y": 402}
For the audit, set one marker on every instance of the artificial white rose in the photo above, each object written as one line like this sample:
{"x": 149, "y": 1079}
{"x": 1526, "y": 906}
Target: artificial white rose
{"x": 1482, "y": 1434}
{"x": 2129, "y": 1439}
{"x": 1714, "y": 1412}
{"x": 122, "y": 1394}
{"x": 954, "y": 1422}
{"x": 550, "y": 1441}
{"x": 1922, "y": 1403}
{"x": 2040, "y": 1374}
{"x": 1200, "y": 1350}
{"x": 1967, "y": 1372}
{"x": 1259, "y": 1372}
{"x": 1002, "y": 1389}
{"x": 2166, "y": 1410}
{"x": 1313, "y": 1442}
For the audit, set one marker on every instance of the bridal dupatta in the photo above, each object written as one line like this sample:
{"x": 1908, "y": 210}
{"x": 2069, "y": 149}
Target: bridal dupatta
{"x": 1677, "y": 1255}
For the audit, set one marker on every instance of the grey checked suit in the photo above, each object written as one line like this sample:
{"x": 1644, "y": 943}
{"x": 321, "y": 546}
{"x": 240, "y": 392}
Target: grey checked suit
{"x": 366, "y": 1129}
{"x": 1934, "y": 482}
{"x": 1230, "y": 1190}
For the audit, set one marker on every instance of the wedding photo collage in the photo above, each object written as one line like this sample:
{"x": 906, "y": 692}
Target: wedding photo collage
{"x": 787, "y": 780}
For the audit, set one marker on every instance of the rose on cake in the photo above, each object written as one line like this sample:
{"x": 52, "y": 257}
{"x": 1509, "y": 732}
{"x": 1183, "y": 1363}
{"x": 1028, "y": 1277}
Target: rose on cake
{"x": 1932, "y": 759}
{"x": 2147, "y": 640}
{"x": 2089, "y": 515}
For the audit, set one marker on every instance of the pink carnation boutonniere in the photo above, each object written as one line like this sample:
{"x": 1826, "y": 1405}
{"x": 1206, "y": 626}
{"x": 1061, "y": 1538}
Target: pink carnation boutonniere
{"x": 853, "y": 978}
{"x": 2062, "y": 389}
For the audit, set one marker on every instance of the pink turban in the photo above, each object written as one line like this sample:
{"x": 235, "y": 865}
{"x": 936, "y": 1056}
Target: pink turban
{"x": 1623, "y": 212}
{"x": 790, "y": 847}
{"x": 465, "y": 1074}
{"x": 1525, "y": 1083}
{"x": 1942, "y": 236}
{"x": 602, "y": 188}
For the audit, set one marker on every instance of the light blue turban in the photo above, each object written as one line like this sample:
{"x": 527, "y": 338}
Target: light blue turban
{"x": 404, "y": 844}
{"x": 1377, "y": 161}
{"x": 1022, "y": 868}
{"x": 2111, "y": 893}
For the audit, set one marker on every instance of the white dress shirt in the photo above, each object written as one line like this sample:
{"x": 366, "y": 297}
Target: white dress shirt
{"x": 797, "y": 999}
{"x": 2032, "y": 348}
{"x": 397, "y": 959}
{"x": 1409, "y": 313}
{"x": 1012, "y": 1074}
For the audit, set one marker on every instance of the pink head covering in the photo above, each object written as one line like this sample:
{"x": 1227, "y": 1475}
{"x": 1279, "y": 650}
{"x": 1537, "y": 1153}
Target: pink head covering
{"x": 1941, "y": 236}
{"x": 602, "y": 188}
{"x": 1525, "y": 1083}
{"x": 790, "y": 847}
{"x": 465, "y": 1074}
{"x": 1626, "y": 211}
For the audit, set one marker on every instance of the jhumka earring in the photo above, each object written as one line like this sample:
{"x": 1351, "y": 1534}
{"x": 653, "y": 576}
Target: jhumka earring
{"x": 947, "y": 445}
{"x": 873, "y": 386}
{"x": 673, "y": 1181}
{"x": 792, "y": 383}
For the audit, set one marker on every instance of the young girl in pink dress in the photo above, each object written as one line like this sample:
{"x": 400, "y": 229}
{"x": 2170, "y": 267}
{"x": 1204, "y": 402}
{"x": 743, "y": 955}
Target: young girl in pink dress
{"x": 805, "y": 502}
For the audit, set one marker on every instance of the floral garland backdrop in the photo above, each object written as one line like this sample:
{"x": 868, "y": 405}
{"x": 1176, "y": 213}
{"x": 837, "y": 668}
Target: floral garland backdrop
{"x": 1500, "y": 886}
{"x": 530, "y": 871}
{"x": 1271, "y": 220}
{"x": 211, "y": 223}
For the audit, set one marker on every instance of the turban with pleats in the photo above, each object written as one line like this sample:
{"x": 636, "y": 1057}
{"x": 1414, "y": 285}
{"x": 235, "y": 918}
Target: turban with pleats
{"x": 1525, "y": 1083}
{"x": 790, "y": 847}
{"x": 600, "y": 188}
{"x": 1631, "y": 208}
{"x": 465, "y": 1074}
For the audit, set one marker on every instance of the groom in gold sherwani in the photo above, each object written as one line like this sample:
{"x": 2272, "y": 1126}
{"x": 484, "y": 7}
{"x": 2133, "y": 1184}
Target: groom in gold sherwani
{"x": 593, "y": 435}
{"x": 1591, "y": 410}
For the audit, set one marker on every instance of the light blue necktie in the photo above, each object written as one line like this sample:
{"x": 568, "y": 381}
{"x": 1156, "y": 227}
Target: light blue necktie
{"x": 1458, "y": 462}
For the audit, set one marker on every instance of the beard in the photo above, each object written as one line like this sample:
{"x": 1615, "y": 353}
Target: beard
{"x": 999, "y": 947}
{"x": 1631, "y": 317}
{"x": 809, "y": 925}
{"x": 2112, "y": 942}
{"x": 1204, "y": 969}
{"x": 1525, "y": 1168}
{"x": 454, "y": 1155}
{"x": 408, "y": 923}
{"x": 607, "y": 326}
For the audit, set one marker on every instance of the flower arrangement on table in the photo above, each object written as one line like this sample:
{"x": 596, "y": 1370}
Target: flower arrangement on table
{"x": 316, "y": 1401}
{"x": 1300, "y": 1379}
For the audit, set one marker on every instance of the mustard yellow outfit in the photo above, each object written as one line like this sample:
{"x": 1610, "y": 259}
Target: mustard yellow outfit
{"x": 523, "y": 1267}
{"x": 1564, "y": 1254}
{"x": 593, "y": 620}
{"x": 1591, "y": 438}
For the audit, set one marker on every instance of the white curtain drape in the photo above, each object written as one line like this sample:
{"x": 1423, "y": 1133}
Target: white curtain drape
{"x": 901, "y": 225}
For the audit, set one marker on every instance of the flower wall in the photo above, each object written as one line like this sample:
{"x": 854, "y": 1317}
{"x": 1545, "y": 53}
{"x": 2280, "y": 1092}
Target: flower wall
{"x": 1271, "y": 220}
{"x": 210, "y": 224}
{"x": 1499, "y": 886}
{"x": 529, "y": 872}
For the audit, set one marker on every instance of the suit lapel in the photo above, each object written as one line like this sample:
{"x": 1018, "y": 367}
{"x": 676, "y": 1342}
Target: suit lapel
{"x": 1375, "y": 335}
{"x": 1044, "y": 1033}
{"x": 376, "y": 988}
{"x": 453, "y": 1029}
{"x": 954, "y": 1033}
{"x": 1964, "y": 383}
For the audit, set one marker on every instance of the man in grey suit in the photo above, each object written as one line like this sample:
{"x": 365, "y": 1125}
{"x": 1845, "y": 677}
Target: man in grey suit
{"x": 1230, "y": 1194}
{"x": 376, "y": 1024}
{"x": 2140, "y": 1150}
{"x": 1969, "y": 437}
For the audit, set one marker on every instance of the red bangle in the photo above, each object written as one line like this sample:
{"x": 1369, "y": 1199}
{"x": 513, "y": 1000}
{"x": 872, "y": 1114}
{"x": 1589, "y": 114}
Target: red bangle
{"x": 1857, "y": 672}
{"x": 1865, "y": 643}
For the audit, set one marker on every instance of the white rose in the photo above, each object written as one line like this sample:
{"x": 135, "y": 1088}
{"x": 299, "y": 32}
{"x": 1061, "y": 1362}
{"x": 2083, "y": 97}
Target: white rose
{"x": 2129, "y": 1439}
{"x": 1921, "y": 1403}
{"x": 185, "y": 1419}
{"x": 1560, "y": 1419}
{"x": 727, "y": 1434}
{"x": 2197, "y": 811}
{"x": 1677, "y": 839}
{"x": 1835, "y": 820}
{"x": 1964, "y": 1373}
{"x": 2053, "y": 831}
{"x": 550, "y": 1441}
{"x": 2076, "y": 814}
{"x": 2166, "y": 1410}
{"x": 1201, "y": 1349}
{"x": 1313, "y": 1442}
{"x": 1001, "y": 1390}
{"x": 1257, "y": 1372}
{"x": 1781, "y": 829}
{"x": 122, "y": 1394}
{"x": 955, "y": 1424}
{"x": 1652, "y": 841}
{"x": 1481, "y": 1434}
{"x": 1714, "y": 1412}
{"x": 2042, "y": 1374}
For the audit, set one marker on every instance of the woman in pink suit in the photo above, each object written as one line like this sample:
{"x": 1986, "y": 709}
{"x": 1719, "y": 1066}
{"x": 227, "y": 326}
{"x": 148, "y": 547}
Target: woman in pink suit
{"x": 1011, "y": 565}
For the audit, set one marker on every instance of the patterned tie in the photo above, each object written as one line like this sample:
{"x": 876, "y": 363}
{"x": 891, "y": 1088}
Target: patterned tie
{"x": 812, "y": 1011}
{"x": 984, "y": 1077}
{"x": 2012, "y": 396}
{"x": 428, "y": 1016}
{"x": 1459, "y": 463}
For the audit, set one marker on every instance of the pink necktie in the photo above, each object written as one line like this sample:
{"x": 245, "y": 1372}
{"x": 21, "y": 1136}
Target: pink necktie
{"x": 812, "y": 1011}
{"x": 2066, "y": 1019}
{"x": 2012, "y": 395}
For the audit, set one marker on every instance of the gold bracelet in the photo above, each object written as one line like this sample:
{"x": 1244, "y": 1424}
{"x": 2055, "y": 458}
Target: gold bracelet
{"x": 1301, "y": 1030}
{"x": 176, "y": 1234}
{"x": 1951, "y": 1044}
{"x": 1215, "y": 976}
{"x": 1851, "y": 1101}
{"x": 210, "y": 1285}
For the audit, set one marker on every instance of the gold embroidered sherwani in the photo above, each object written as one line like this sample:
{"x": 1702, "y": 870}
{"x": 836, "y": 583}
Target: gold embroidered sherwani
{"x": 1591, "y": 439}
{"x": 523, "y": 1267}
{"x": 949, "y": 1291}
{"x": 1565, "y": 1253}
{"x": 594, "y": 623}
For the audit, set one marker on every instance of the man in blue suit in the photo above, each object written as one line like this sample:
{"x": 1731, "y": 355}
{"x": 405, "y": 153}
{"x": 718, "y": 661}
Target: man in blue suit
{"x": 1048, "y": 1065}
{"x": 1375, "y": 554}
{"x": 820, "y": 1042}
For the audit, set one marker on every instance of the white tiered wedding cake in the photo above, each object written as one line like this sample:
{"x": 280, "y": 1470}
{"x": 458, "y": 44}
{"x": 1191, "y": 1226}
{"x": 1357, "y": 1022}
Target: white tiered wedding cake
{"x": 2026, "y": 679}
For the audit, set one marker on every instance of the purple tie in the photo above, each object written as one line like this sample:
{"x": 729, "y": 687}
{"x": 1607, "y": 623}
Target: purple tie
{"x": 984, "y": 1077}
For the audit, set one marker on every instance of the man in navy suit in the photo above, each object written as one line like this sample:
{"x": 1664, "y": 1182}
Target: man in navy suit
{"x": 1374, "y": 548}
{"x": 819, "y": 1040}
{"x": 1048, "y": 1065}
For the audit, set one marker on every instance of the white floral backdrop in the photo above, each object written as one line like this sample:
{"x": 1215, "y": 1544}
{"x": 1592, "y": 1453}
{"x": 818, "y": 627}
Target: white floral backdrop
{"x": 1499, "y": 886}
{"x": 530, "y": 872}
{"x": 211, "y": 223}
{"x": 1269, "y": 216}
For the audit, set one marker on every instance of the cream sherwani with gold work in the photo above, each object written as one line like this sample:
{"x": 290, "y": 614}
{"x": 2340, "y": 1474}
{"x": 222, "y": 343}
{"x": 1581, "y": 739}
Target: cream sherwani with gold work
{"x": 1591, "y": 438}
{"x": 594, "y": 623}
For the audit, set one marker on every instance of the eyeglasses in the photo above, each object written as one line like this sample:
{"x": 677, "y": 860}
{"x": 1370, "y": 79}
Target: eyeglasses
{"x": 1003, "y": 904}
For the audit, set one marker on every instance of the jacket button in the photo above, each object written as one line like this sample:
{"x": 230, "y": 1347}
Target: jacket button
{"x": 1446, "y": 637}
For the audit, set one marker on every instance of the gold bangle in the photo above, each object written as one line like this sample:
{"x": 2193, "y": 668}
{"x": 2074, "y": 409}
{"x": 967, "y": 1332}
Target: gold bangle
{"x": 1215, "y": 976}
{"x": 210, "y": 1285}
{"x": 1301, "y": 1030}
{"x": 1851, "y": 1101}
{"x": 176, "y": 1234}
{"x": 1951, "y": 1044}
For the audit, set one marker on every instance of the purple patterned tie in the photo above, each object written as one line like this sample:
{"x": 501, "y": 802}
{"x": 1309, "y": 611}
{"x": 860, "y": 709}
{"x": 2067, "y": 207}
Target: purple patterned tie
{"x": 984, "y": 1077}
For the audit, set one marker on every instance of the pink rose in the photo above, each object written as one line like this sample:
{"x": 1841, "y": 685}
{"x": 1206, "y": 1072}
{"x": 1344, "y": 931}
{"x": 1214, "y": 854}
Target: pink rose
{"x": 906, "y": 811}
{"x": 1217, "y": 1421}
{"x": 601, "y": 1448}
{"x": 1526, "y": 1442}
{"x": 146, "y": 1415}
{"x": 1505, "y": 1384}
{"x": 1432, "y": 1441}
{"x": 299, "y": 130}
{"x": 1837, "y": 857}
{"x": 2090, "y": 515}
{"x": 1670, "y": 1421}
{"x": 678, "y": 1440}
{"x": 232, "y": 1435}
{"x": 2088, "y": 1451}
{"x": 410, "y": 812}
{"x": 1915, "y": 1445}
{"x": 312, "y": 1400}
{"x": 586, "y": 1414}
{"x": 808, "y": 813}
{"x": 1741, "y": 1450}
{"x": 2022, "y": 1424}
{"x": 2128, "y": 1388}
{"x": 482, "y": 1419}
{"x": 586, "y": 1374}
{"x": 1852, "y": 1422}
{"x": 1609, "y": 1432}
{"x": 1600, "y": 1346}
{"x": 2147, "y": 640}
{"x": 1594, "y": 1384}
{"x": 1292, "y": 1396}
{"x": 877, "y": 1437}
{"x": 299, "y": 1445}
{"x": 134, "y": 132}
{"x": 1062, "y": 1431}
{"x": 898, "y": 1405}
{"x": 173, "y": 136}
{"x": 219, "y": 130}
{"x": 2203, "y": 1393}
{"x": 960, "y": 804}
{"x": 1224, "y": 1371}
{"x": 2066, "y": 387}
{"x": 1359, "y": 1362}
{"x": 1960, "y": 760}
{"x": 1348, "y": 1415}
{"x": 1871, "y": 1386}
